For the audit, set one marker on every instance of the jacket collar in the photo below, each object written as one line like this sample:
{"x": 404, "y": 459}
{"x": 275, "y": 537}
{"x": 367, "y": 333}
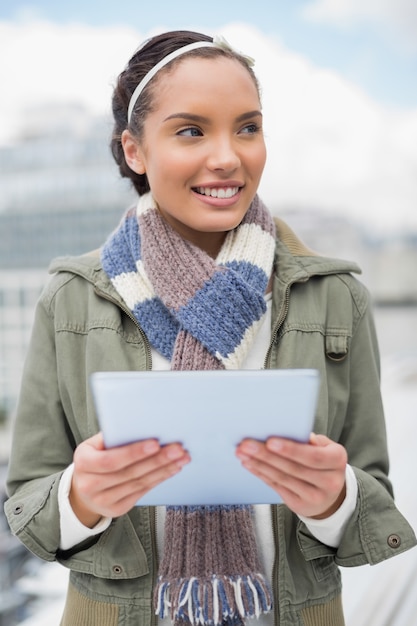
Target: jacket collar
{"x": 295, "y": 259}
{"x": 89, "y": 267}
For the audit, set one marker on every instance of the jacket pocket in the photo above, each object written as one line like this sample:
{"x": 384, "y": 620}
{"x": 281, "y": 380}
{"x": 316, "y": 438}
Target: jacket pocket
{"x": 117, "y": 555}
{"x": 337, "y": 346}
{"x": 325, "y": 568}
{"x": 320, "y": 556}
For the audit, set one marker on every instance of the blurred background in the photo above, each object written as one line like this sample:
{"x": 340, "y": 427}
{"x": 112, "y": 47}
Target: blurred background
{"x": 339, "y": 89}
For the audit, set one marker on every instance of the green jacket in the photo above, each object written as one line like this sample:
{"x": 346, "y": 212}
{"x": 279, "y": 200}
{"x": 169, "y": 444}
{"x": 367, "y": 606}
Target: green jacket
{"x": 321, "y": 320}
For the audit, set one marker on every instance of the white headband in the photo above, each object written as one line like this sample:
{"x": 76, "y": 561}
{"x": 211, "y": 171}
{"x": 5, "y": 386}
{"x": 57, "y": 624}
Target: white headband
{"x": 218, "y": 42}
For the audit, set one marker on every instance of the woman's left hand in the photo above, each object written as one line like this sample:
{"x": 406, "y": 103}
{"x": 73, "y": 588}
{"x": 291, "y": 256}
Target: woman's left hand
{"x": 309, "y": 477}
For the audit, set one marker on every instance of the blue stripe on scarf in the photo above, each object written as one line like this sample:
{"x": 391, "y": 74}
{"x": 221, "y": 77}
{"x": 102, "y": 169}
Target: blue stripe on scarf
{"x": 265, "y": 604}
{"x": 198, "y": 508}
{"x": 252, "y": 274}
{"x": 121, "y": 251}
{"x": 248, "y": 596}
{"x": 163, "y": 334}
{"x": 232, "y": 311}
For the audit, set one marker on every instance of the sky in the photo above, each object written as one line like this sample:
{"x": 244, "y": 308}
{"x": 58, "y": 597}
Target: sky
{"x": 373, "y": 42}
{"x": 339, "y": 81}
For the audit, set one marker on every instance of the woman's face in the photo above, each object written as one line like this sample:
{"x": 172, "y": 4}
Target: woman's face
{"x": 203, "y": 148}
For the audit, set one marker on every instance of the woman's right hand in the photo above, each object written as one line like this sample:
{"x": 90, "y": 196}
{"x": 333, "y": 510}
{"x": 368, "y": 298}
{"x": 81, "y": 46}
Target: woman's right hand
{"x": 108, "y": 482}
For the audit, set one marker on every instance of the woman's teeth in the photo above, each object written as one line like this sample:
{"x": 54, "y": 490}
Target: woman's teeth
{"x": 221, "y": 192}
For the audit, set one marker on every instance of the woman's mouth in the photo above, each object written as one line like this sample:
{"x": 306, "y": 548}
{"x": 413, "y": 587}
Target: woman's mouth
{"x": 218, "y": 192}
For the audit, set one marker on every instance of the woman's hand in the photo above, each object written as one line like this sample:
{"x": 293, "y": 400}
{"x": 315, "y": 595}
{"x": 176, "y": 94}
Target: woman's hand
{"x": 107, "y": 483}
{"x": 310, "y": 477}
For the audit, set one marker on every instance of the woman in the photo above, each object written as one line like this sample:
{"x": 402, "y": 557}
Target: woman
{"x": 199, "y": 276}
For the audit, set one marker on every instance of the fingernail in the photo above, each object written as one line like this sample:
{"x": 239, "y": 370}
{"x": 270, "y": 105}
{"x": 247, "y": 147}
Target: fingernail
{"x": 251, "y": 446}
{"x": 275, "y": 445}
{"x": 313, "y": 439}
{"x": 150, "y": 447}
{"x": 174, "y": 453}
{"x": 183, "y": 461}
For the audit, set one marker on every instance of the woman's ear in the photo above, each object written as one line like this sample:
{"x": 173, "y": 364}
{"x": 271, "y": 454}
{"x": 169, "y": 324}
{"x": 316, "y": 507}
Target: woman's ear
{"x": 133, "y": 153}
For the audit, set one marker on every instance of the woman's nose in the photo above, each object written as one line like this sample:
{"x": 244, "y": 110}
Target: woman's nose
{"x": 223, "y": 155}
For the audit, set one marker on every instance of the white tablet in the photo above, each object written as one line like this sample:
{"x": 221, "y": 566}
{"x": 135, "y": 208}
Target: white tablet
{"x": 209, "y": 412}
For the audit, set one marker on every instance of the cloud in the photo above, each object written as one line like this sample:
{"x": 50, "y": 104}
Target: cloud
{"x": 45, "y": 62}
{"x": 398, "y": 17}
{"x": 329, "y": 145}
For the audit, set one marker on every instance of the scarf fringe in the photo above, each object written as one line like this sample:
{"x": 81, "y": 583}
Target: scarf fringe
{"x": 214, "y": 602}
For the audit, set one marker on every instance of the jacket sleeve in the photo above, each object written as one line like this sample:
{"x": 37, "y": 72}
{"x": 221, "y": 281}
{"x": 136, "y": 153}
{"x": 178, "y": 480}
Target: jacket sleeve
{"x": 377, "y": 530}
{"x": 42, "y": 445}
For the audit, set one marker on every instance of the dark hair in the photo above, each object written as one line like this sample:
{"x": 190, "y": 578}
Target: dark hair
{"x": 143, "y": 60}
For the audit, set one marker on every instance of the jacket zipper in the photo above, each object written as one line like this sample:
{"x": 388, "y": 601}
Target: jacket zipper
{"x": 275, "y": 587}
{"x": 274, "y": 334}
{"x": 109, "y": 298}
{"x": 153, "y": 520}
{"x": 274, "y": 516}
{"x": 278, "y": 325}
{"x": 283, "y": 315}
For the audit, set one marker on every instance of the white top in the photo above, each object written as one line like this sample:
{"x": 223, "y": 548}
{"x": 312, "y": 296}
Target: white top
{"x": 329, "y": 531}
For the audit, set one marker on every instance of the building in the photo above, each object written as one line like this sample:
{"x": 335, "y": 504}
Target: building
{"x": 387, "y": 262}
{"x": 19, "y": 291}
{"x": 60, "y": 193}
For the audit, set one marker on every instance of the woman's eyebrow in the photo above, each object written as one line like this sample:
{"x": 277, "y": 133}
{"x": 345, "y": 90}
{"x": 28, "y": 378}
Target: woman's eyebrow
{"x": 249, "y": 115}
{"x": 192, "y": 117}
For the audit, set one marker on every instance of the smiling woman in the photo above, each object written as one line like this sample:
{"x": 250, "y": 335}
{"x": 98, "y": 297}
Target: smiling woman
{"x": 199, "y": 276}
{"x": 203, "y": 162}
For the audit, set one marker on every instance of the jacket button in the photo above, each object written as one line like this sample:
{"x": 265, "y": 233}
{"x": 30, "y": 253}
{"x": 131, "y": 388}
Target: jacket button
{"x": 117, "y": 569}
{"x": 18, "y": 509}
{"x": 394, "y": 541}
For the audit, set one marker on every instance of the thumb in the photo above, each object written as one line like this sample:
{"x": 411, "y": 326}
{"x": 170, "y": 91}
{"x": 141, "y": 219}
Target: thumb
{"x": 97, "y": 441}
{"x": 319, "y": 440}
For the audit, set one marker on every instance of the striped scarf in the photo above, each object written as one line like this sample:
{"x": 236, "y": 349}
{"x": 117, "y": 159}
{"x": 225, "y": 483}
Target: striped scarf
{"x": 200, "y": 314}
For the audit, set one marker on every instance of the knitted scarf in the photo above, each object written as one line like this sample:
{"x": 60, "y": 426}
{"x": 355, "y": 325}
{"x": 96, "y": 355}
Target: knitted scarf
{"x": 199, "y": 313}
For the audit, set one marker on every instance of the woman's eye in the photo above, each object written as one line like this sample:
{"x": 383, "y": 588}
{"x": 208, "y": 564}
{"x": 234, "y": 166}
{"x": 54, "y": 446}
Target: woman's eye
{"x": 190, "y": 132}
{"x": 251, "y": 129}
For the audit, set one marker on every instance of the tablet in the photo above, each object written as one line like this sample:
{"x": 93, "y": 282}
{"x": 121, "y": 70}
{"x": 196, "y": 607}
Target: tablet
{"x": 209, "y": 412}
